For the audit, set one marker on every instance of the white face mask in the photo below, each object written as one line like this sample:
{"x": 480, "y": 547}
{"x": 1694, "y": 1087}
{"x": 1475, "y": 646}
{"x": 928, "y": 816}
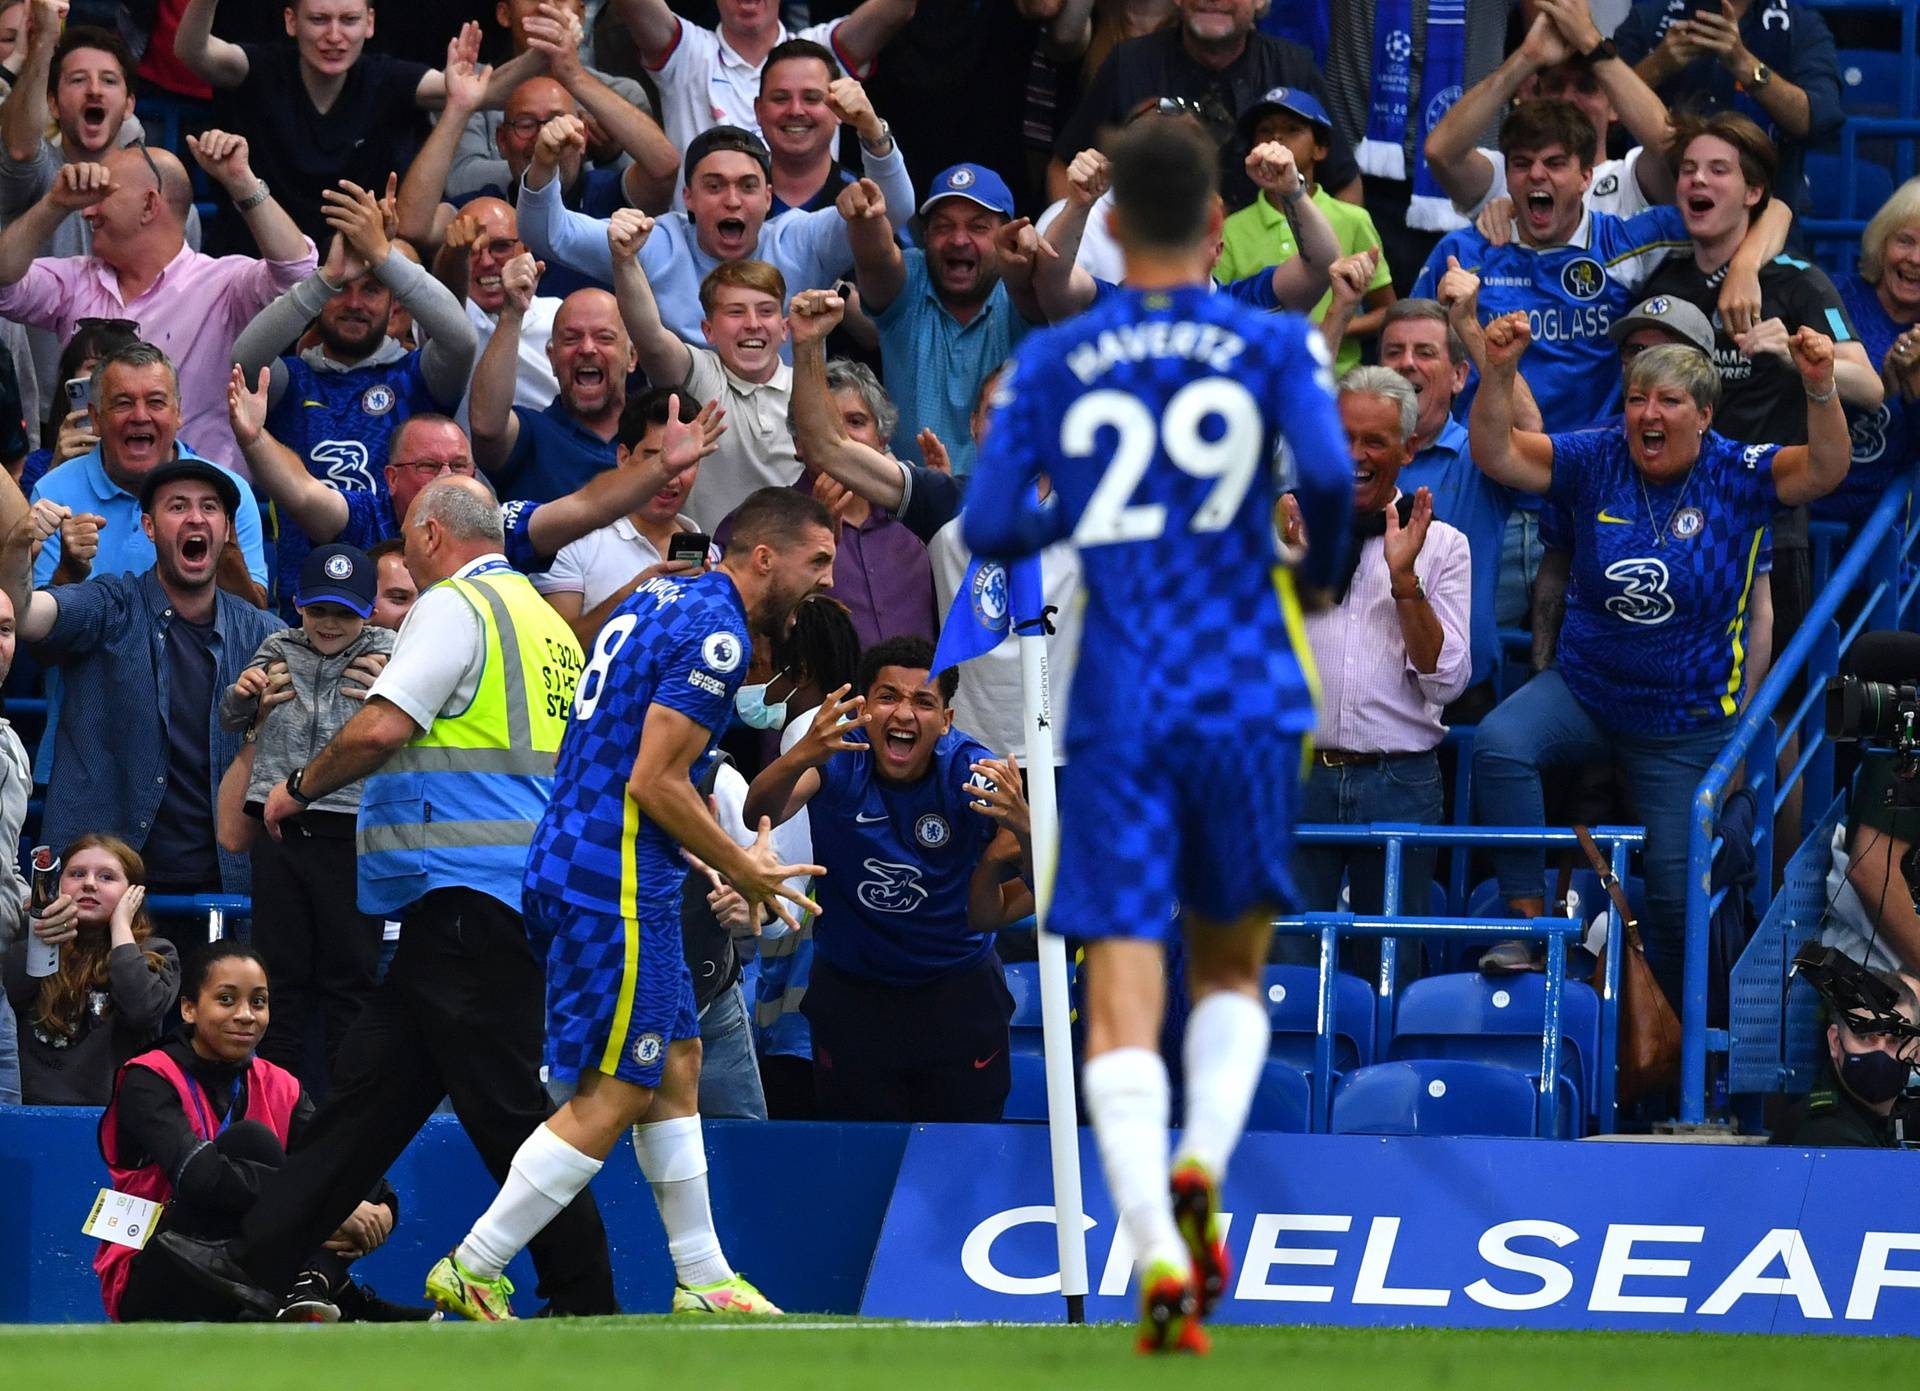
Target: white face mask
{"x": 750, "y": 703}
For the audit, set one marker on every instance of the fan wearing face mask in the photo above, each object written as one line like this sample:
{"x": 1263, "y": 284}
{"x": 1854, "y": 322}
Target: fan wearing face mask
{"x": 1860, "y": 1089}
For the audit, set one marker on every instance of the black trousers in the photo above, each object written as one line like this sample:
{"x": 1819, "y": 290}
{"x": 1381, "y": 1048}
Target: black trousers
{"x": 934, "y": 1052}
{"x": 156, "y": 1293}
{"x": 461, "y": 1014}
{"x": 322, "y": 952}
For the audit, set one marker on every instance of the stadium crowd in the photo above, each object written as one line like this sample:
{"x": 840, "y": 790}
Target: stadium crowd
{"x": 301, "y": 315}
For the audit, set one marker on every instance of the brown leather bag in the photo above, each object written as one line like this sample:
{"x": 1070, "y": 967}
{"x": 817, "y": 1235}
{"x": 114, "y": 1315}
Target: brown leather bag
{"x": 1649, "y": 1029}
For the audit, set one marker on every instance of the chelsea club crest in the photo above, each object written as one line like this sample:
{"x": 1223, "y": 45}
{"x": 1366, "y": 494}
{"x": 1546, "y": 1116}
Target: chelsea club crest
{"x": 932, "y": 831}
{"x": 377, "y": 399}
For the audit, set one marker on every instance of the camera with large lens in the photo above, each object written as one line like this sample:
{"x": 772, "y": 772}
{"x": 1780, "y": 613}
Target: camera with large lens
{"x": 1877, "y": 711}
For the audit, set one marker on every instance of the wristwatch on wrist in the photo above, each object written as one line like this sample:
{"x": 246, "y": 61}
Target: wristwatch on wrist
{"x": 1601, "y": 51}
{"x": 1762, "y": 75}
{"x": 875, "y": 146}
{"x": 253, "y": 199}
{"x": 293, "y": 787}
{"x": 1419, "y": 591}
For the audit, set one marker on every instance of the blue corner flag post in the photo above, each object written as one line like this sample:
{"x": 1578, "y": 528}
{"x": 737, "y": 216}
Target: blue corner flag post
{"x": 993, "y": 601}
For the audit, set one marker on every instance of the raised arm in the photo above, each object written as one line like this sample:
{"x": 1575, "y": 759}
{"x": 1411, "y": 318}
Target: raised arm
{"x": 496, "y": 429}
{"x": 1021, "y": 249}
{"x": 23, "y": 115}
{"x": 431, "y": 94}
{"x": 878, "y": 267}
{"x": 869, "y": 29}
{"x": 215, "y": 61}
{"x": 613, "y": 493}
{"x": 652, "y": 25}
{"x": 320, "y": 511}
{"x": 554, "y": 231}
{"x": 1300, "y": 280}
{"x": 425, "y": 186}
{"x": 1453, "y": 153}
{"x": 664, "y": 357}
{"x": 880, "y": 155}
{"x": 1518, "y": 458}
{"x": 1638, "y": 106}
{"x": 277, "y": 327}
{"x": 223, "y": 156}
{"x": 1804, "y": 473}
{"x": 819, "y": 436}
{"x": 1060, "y": 286}
{"x": 77, "y": 186}
{"x": 788, "y": 783}
{"x": 34, "y": 609}
{"x": 649, "y": 180}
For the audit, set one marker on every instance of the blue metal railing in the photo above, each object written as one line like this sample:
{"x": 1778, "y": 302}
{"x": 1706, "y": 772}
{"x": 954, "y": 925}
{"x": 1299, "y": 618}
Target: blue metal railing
{"x": 1880, "y": 545}
{"x": 1393, "y": 838}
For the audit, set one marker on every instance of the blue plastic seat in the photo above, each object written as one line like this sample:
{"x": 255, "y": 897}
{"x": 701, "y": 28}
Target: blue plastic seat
{"x": 1027, "y": 1097}
{"x": 1023, "y": 983}
{"x": 1826, "y": 176}
{"x": 1283, "y": 1101}
{"x": 1293, "y": 1009}
{"x": 1430, "y": 1096}
{"x": 1869, "y": 82}
{"x": 1470, "y": 1017}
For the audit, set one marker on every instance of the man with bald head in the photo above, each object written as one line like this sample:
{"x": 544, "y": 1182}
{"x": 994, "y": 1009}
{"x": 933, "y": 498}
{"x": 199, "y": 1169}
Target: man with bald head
{"x": 541, "y": 454}
{"x": 141, "y": 268}
{"x": 479, "y": 243}
{"x": 458, "y": 755}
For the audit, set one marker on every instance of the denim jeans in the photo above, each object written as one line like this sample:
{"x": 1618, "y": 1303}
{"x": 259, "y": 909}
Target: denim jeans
{"x": 9, "y": 1057}
{"x": 1396, "y": 789}
{"x": 729, "y": 1072}
{"x": 1541, "y": 725}
{"x": 1519, "y": 563}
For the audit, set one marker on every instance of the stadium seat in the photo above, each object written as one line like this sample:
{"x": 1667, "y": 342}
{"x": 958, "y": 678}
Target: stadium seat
{"x": 1023, "y": 983}
{"x": 1434, "y": 1097}
{"x": 1827, "y": 185}
{"x": 1470, "y": 1017}
{"x": 1293, "y": 1009}
{"x": 1869, "y": 84}
{"x": 1283, "y": 1101}
{"x": 1027, "y": 1097}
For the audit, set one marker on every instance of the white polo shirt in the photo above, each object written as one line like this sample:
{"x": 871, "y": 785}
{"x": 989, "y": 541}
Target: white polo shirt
{"x": 704, "y": 83}
{"x": 600, "y": 563}
{"x": 757, "y": 449}
{"x": 534, "y": 384}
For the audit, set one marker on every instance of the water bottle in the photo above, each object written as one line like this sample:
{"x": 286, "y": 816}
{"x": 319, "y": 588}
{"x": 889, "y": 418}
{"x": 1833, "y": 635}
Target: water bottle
{"x": 43, "y": 958}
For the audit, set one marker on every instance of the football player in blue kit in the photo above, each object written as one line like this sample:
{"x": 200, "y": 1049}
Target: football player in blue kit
{"x": 1159, "y": 418}
{"x": 603, "y": 891}
{"x": 921, "y": 829}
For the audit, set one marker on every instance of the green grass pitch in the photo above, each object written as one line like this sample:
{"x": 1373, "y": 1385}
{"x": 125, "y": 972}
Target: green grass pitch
{"x": 839, "y": 1355}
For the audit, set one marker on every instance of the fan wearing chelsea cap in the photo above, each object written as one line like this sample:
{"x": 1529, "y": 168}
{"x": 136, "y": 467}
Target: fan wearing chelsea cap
{"x": 947, "y": 315}
{"x": 302, "y": 685}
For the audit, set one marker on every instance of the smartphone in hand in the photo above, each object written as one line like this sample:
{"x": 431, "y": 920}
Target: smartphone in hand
{"x": 688, "y": 546}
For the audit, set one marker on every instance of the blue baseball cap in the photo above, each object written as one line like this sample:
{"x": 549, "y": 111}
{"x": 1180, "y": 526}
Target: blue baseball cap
{"x": 1290, "y": 99}
{"x": 974, "y": 182}
{"x": 337, "y": 575}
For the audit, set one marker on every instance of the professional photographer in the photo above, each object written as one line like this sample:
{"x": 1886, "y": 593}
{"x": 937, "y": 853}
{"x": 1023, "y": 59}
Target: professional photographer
{"x": 1854, "y": 1102}
{"x": 1871, "y": 915}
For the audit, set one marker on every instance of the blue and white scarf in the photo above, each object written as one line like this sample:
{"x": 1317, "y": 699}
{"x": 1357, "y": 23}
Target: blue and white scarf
{"x": 1442, "y": 75}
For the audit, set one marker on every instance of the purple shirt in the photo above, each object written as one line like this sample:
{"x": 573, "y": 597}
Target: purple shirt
{"x": 1371, "y": 698}
{"x": 194, "y": 310}
{"x": 882, "y": 574}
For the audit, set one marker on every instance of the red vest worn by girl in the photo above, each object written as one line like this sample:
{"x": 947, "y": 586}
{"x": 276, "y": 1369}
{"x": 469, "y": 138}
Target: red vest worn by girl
{"x": 272, "y": 1094}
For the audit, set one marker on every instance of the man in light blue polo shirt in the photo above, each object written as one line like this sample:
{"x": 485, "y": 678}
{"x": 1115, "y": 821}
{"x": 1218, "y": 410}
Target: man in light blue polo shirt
{"x": 946, "y": 320}
{"x": 729, "y": 192}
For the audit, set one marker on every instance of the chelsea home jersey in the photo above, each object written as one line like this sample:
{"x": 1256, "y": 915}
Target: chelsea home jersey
{"x": 1571, "y": 295}
{"x": 1160, "y": 417}
{"x": 1655, "y": 635}
{"x": 678, "y": 643}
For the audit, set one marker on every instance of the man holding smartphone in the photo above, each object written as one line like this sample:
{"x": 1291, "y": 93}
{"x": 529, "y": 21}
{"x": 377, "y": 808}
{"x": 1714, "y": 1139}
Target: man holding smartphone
{"x": 593, "y": 576}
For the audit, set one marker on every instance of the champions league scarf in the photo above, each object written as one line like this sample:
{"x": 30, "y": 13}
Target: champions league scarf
{"x": 1390, "y": 114}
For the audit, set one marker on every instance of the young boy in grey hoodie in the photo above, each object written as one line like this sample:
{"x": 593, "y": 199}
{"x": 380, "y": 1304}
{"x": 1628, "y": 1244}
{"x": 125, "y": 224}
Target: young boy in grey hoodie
{"x": 320, "y": 949}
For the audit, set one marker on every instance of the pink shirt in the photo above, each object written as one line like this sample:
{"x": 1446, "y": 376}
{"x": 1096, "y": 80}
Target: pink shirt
{"x": 1371, "y": 698}
{"x": 194, "y": 310}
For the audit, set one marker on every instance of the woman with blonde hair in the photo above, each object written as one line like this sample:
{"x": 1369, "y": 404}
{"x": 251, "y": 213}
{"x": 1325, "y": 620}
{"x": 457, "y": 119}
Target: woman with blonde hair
{"x": 115, "y": 985}
{"x": 1883, "y": 300}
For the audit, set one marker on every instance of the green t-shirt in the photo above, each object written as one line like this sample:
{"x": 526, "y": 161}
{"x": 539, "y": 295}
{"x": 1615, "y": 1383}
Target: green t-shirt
{"x": 1258, "y": 237}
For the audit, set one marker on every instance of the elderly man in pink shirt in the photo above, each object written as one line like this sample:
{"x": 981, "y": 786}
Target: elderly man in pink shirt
{"x": 194, "y": 306}
{"x": 1392, "y": 651}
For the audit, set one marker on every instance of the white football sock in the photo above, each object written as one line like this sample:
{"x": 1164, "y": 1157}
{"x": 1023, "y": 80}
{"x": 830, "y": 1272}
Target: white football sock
{"x": 1227, "y": 1040}
{"x": 674, "y": 1160}
{"x": 1126, "y": 1091}
{"x": 547, "y": 1173}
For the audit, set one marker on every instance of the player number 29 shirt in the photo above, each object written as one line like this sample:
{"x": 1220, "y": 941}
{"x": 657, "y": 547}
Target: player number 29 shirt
{"x": 682, "y": 644}
{"x": 1158, "y": 417}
